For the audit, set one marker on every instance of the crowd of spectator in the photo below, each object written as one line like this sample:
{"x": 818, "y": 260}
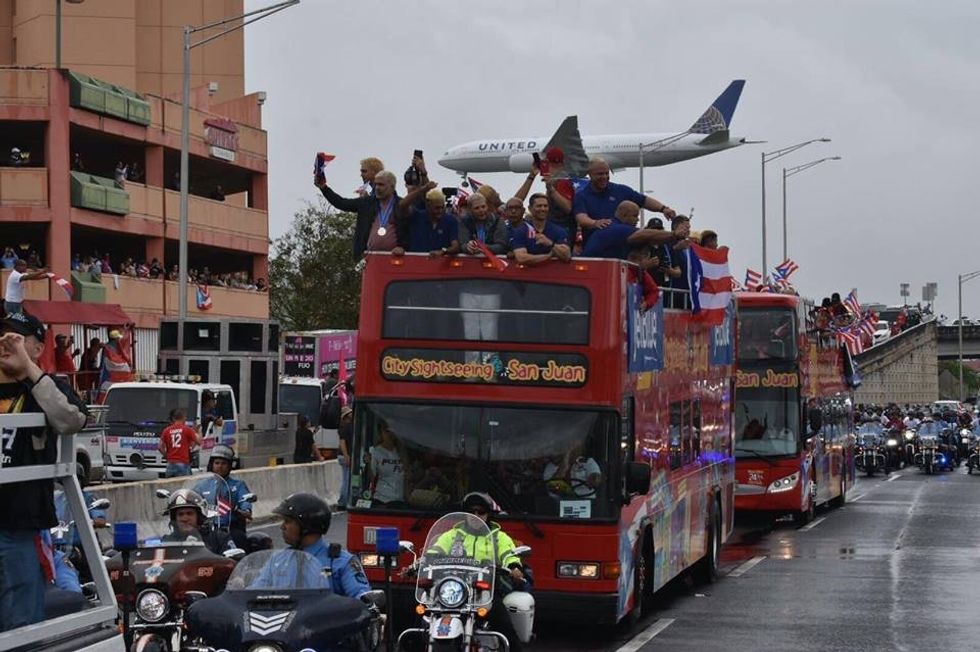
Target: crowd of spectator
{"x": 10, "y": 257}
{"x": 101, "y": 264}
{"x": 598, "y": 219}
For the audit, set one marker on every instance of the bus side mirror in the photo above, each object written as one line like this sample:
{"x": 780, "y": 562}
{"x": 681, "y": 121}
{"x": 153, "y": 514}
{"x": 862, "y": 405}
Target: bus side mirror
{"x": 637, "y": 476}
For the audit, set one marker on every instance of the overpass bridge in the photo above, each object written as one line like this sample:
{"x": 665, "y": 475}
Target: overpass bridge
{"x": 905, "y": 367}
{"x": 948, "y": 337}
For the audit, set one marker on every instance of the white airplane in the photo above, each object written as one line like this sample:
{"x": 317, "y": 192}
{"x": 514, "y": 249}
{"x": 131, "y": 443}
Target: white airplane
{"x": 709, "y": 134}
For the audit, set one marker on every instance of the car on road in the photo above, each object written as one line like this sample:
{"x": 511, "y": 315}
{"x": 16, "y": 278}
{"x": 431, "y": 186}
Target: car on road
{"x": 882, "y": 331}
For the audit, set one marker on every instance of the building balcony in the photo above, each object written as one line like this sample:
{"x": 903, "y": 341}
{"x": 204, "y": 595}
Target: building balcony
{"x": 23, "y": 187}
{"x": 219, "y": 217}
{"x": 156, "y": 297}
{"x": 23, "y": 87}
{"x": 36, "y": 290}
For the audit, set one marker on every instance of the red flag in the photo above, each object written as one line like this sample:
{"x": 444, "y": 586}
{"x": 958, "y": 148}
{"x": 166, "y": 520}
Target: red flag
{"x": 498, "y": 263}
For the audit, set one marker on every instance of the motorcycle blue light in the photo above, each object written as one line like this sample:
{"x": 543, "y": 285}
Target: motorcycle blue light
{"x": 386, "y": 542}
{"x": 124, "y": 535}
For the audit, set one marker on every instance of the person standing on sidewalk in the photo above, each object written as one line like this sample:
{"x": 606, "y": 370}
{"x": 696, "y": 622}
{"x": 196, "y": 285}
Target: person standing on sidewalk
{"x": 175, "y": 444}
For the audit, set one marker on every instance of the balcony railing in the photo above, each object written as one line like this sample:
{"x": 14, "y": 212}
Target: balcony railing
{"x": 23, "y": 186}
{"x": 18, "y": 86}
{"x": 158, "y": 297}
{"x": 219, "y": 216}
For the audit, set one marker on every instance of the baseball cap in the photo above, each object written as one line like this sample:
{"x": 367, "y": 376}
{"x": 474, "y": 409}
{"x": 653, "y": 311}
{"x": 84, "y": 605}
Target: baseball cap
{"x": 23, "y": 323}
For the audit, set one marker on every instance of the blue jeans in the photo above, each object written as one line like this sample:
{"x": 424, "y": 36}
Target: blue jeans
{"x": 177, "y": 469}
{"x": 10, "y": 307}
{"x": 21, "y": 580}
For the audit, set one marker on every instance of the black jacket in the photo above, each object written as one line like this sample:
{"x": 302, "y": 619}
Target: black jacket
{"x": 495, "y": 237}
{"x": 30, "y": 505}
{"x": 366, "y": 208}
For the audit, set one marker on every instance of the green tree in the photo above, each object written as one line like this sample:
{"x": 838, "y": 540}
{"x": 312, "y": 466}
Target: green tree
{"x": 312, "y": 281}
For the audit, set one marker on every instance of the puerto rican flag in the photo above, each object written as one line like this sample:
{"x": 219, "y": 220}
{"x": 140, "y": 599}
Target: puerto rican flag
{"x": 852, "y": 341}
{"x": 710, "y": 282}
{"x": 224, "y": 506}
{"x": 753, "y": 280}
{"x": 203, "y": 298}
{"x": 852, "y": 303}
{"x": 63, "y": 284}
{"x": 785, "y": 269}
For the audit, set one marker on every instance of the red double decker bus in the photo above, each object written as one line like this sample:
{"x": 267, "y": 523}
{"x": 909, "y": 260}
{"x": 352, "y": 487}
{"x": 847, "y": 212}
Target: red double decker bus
{"x": 794, "y": 442}
{"x": 603, "y": 431}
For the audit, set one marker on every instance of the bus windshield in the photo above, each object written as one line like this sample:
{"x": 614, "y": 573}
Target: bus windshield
{"x": 767, "y": 422}
{"x": 766, "y": 334}
{"x": 553, "y": 463}
{"x": 149, "y": 404}
{"x": 301, "y": 399}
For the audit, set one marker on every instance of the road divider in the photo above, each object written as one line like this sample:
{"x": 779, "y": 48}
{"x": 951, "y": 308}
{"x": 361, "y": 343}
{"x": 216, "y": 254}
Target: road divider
{"x": 137, "y": 501}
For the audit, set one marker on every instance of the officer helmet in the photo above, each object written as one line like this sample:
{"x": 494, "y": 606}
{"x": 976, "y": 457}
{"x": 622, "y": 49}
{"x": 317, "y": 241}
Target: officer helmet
{"x": 480, "y": 499}
{"x": 186, "y": 498}
{"x": 256, "y": 541}
{"x": 311, "y": 511}
{"x": 221, "y": 452}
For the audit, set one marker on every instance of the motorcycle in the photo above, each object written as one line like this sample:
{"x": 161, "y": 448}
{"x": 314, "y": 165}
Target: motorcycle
{"x": 966, "y": 440}
{"x": 933, "y": 455}
{"x": 170, "y": 570}
{"x": 870, "y": 455}
{"x": 973, "y": 460}
{"x": 281, "y": 600}
{"x": 455, "y": 591}
{"x": 908, "y": 443}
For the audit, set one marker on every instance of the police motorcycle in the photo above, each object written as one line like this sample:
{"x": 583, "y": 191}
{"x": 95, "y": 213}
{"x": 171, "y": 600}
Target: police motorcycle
{"x": 870, "y": 456}
{"x": 966, "y": 441}
{"x": 455, "y": 591}
{"x": 932, "y": 452}
{"x": 281, "y": 601}
{"x": 182, "y": 558}
{"x": 908, "y": 443}
{"x": 973, "y": 457}
{"x": 64, "y": 536}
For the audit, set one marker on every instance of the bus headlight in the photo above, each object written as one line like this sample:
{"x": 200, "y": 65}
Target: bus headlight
{"x": 152, "y": 605}
{"x": 370, "y": 560}
{"x": 577, "y": 570}
{"x": 785, "y": 484}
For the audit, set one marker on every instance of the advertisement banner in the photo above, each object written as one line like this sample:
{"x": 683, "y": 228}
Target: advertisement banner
{"x": 723, "y": 339}
{"x": 646, "y": 333}
{"x": 337, "y": 347}
{"x": 299, "y": 356}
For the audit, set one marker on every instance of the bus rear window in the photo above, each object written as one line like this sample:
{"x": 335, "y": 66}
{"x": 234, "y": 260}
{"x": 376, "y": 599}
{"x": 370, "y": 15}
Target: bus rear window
{"x": 486, "y": 310}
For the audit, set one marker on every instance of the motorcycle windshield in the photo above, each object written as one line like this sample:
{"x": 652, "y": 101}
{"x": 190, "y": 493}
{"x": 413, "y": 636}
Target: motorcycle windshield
{"x": 458, "y": 563}
{"x": 188, "y": 509}
{"x": 278, "y": 570}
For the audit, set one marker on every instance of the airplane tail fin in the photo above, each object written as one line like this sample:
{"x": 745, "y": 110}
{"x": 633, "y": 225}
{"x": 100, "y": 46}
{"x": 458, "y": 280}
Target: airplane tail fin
{"x": 718, "y": 116}
{"x": 568, "y": 141}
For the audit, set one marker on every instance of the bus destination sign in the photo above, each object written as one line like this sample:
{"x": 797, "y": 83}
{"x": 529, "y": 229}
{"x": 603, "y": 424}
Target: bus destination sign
{"x": 531, "y": 369}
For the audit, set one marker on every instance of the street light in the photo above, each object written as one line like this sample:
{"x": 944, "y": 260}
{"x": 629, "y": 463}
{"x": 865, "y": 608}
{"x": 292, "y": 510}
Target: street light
{"x": 766, "y": 158}
{"x": 787, "y": 173}
{"x": 185, "y": 134}
{"x": 57, "y": 29}
{"x": 962, "y": 278}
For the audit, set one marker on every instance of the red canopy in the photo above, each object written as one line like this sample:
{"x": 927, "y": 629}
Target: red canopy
{"x": 77, "y": 312}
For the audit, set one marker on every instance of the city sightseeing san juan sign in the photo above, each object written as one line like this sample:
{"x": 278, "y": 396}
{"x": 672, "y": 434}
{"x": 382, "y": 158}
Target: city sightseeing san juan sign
{"x": 221, "y": 136}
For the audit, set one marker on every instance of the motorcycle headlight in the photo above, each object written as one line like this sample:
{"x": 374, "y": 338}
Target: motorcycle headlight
{"x": 152, "y": 605}
{"x": 892, "y": 442}
{"x": 909, "y": 435}
{"x": 785, "y": 484}
{"x": 265, "y": 647}
{"x": 451, "y": 593}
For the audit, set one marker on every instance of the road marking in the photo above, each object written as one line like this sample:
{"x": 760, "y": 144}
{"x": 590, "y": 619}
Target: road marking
{"x": 856, "y": 498}
{"x": 746, "y": 567}
{"x": 812, "y": 524}
{"x": 643, "y": 637}
{"x": 894, "y": 476}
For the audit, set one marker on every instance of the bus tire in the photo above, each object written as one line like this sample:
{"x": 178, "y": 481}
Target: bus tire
{"x": 842, "y": 498}
{"x": 706, "y": 569}
{"x": 642, "y": 579}
{"x": 804, "y": 516}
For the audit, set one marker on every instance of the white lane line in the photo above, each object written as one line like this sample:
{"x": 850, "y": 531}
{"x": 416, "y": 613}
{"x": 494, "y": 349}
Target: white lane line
{"x": 856, "y": 498}
{"x": 894, "y": 476}
{"x": 812, "y": 524}
{"x": 643, "y": 637}
{"x": 746, "y": 567}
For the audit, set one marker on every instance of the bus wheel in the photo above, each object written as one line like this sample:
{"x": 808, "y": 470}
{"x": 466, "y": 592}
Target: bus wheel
{"x": 842, "y": 498}
{"x": 706, "y": 570}
{"x": 804, "y": 516}
{"x": 642, "y": 580}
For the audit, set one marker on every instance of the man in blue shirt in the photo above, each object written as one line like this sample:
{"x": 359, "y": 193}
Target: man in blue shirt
{"x": 430, "y": 230}
{"x": 540, "y": 240}
{"x": 234, "y": 512}
{"x": 305, "y": 519}
{"x": 595, "y": 204}
{"x": 616, "y": 240}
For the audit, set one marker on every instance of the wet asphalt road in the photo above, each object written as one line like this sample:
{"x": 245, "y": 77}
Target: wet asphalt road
{"x": 898, "y": 568}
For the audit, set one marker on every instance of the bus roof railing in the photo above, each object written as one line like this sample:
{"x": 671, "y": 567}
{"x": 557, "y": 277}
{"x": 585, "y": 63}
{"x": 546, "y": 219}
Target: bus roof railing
{"x": 101, "y": 617}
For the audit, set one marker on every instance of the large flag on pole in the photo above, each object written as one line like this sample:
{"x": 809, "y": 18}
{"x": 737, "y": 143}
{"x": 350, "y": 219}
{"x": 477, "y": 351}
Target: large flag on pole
{"x": 710, "y": 283}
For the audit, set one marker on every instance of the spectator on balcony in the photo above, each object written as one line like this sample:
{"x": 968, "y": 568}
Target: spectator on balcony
{"x": 77, "y": 164}
{"x": 64, "y": 356}
{"x": 218, "y": 194}
{"x": 76, "y": 262}
{"x": 120, "y": 174}
{"x": 106, "y": 265}
{"x": 19, "y": 158}
{"x": 134, "y": 172}
{"x": 260, "y": 285}
{"x": 175, "y": 181}
{"x": 142, "y": 270}
{"x": 9, "y": 258}
{"x": 34, "y": 260}
{"x": 13, "y": 299}
{"x": 173, "y": 274}
{"x": 156, "y": 269}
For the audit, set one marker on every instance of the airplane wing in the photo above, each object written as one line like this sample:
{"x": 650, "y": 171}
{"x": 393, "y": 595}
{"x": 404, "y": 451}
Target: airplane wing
{"x": 569, "y": 141}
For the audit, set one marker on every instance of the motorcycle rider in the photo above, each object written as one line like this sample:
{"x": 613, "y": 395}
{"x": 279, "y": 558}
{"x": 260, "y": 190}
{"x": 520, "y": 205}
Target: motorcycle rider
{"x": 234, "y": 512}
{"x": 188, "y": 522}
{"x": 305, "y": 519}
{"x": 498, "y": 547}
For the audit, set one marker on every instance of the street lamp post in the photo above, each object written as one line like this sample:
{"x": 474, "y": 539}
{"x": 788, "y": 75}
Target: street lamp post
{"x": 787, "y": 173}
{"x": 962, "y": 278}
{"x": 766, "y": 158}
{"x": 185, "y": 134}
{"x": 57, "y": 29}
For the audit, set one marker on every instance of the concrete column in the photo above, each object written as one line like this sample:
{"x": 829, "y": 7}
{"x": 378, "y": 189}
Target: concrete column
{"x": 57, "y": 155}
{"x": 154, "y": 167}
{"x": 260, "y": 268}
{"x": 258, "y": 198}
{"x": 154, "y": 249}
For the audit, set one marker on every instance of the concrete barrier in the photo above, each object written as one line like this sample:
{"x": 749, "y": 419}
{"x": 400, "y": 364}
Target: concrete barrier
{"x": 137, "y": 501}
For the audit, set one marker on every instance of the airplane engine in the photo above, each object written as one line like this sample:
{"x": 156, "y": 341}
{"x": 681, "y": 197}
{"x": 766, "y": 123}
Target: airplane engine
{"x": 520, "y": 162}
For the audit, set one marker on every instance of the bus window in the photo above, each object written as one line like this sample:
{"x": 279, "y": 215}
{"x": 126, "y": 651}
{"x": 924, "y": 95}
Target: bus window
{"x": 487, "y": 310}
{"x": 767, "y": 422}
{"x": 766, "y": 334}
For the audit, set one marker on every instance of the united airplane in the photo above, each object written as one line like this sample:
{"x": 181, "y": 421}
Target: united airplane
{"x": 709, "y": 134}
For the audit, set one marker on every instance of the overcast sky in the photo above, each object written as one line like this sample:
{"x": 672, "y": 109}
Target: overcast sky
{"x": 894, "y": 83}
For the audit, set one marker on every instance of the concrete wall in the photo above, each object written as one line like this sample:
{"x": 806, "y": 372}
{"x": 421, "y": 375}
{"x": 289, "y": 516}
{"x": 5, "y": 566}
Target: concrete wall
{"x": 136, "y": 501}
{"x": 903, "y": 369}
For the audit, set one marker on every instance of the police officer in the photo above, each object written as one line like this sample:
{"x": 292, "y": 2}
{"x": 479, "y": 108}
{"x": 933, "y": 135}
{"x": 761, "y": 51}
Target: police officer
{"x": 498, "y": 546}
{"x": 186, "y": 509}
{"x": 231, "y": 493}
{"x": 305, "y": 519}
